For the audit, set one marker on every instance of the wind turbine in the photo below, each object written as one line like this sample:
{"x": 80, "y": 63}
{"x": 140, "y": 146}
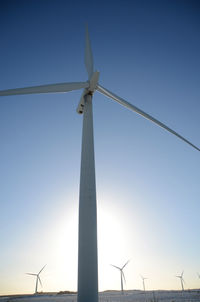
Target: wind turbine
{"x": 87, "y": 245}
{"x": 181, "y": 280}
{"x": 122, "y": 276}
{"x": 143, "y": 282}
{"x": 37, "y": 278}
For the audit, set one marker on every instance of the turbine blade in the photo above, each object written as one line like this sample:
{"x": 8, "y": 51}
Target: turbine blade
{"x": 125, "y": 264}
{"x": 40, "y": 281}
{"x": 142, "y": 113}
{"x": 31, "y": 274}
{"x": 182, "y": 274}
{"x": 123, "y": 277}
{"x": 116, "y": 267}
{"x": 88, "y": 54}
{"x": 41, "y": 269}
{"x": 51, "y": 88}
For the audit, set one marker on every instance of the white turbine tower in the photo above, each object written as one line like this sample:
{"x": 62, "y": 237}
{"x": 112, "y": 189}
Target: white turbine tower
{"x": 87, "y": 253}
{"x": 37, "y": 279}
{"x": 143, "y": 282}
{"x": 122, "y": 276}
{"x": 181, "y": 280}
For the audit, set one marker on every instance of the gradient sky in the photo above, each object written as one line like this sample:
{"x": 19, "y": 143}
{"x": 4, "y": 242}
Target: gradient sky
{"x": 147, "y": 179}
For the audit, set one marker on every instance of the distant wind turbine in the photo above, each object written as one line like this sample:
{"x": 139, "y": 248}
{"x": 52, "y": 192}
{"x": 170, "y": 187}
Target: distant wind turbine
{"x": 87, "y": 245}
{"x": 143, "y": 282}
{"x": 37, "y": 279}
{"x": 181, "y": 280}
{"x": 122, "y": 276}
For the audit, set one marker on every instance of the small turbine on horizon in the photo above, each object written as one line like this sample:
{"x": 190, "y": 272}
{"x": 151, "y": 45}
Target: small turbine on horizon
{"x": 181, "y": 280}
{"x": 37, "y": 278}
{"x": 143, "y": 282}
{"x": 122, "y": 276}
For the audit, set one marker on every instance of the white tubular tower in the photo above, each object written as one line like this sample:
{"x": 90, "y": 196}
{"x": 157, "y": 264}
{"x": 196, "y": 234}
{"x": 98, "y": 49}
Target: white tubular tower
{"x": 87, "y": 250}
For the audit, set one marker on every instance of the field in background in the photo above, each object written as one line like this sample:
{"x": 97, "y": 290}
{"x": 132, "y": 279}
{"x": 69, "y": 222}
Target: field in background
{"x": 114, "y": 296}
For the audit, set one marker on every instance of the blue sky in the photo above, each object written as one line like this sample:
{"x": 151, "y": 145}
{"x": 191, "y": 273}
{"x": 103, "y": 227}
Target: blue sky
{"x": 147, "y": 180}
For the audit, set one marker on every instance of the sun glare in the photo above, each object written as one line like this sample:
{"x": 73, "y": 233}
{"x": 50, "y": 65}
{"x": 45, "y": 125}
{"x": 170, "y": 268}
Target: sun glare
{"x": 114, "y": 243}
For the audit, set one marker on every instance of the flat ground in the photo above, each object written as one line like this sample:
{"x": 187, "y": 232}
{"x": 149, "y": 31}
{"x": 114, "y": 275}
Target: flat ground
{"x": 114, "y": 296}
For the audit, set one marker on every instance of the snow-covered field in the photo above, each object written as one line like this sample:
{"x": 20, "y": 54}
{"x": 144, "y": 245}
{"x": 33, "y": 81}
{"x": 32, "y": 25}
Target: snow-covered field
{"x": 129, "y": 296}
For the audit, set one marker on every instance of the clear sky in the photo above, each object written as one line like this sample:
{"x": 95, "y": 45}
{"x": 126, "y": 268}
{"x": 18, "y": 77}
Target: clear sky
{"x": 147, "y": 179}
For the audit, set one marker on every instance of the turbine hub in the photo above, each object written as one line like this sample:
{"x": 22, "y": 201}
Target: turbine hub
{"x": 90, "y": 90}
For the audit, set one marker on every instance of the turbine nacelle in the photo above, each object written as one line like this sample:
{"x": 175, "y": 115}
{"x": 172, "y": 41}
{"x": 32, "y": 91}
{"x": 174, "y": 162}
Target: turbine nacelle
{"x": 93, "y": 82}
